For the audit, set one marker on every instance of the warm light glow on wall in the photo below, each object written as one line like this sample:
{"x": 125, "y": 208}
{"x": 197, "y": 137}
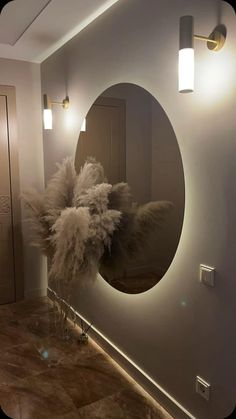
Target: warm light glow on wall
{"x": 70, "y": 120}
{"x": 186, "y": 70}
{"x": 47, "y": 118}
{"x": 216, "y": 76}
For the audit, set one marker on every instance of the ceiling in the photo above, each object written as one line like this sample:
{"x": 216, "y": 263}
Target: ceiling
{"x": 31, "y": 30}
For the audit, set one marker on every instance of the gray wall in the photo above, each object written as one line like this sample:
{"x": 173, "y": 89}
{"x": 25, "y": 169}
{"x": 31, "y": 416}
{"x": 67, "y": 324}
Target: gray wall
{"x": 178, "y": 329}
{"x": 26, "y": 79}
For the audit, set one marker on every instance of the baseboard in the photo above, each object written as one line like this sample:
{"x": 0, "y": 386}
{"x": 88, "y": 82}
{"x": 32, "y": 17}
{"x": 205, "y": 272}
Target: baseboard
{"x": 35, "y": 293}
{"x": 142, "y": 378}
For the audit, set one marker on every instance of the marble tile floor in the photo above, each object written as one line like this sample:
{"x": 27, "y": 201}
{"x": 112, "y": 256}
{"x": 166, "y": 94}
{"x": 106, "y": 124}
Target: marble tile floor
{"x": 44, "y": 377}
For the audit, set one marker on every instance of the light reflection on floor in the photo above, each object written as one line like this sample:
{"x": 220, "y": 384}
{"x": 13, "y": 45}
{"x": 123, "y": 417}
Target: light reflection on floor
{"x": 43, "y": 377}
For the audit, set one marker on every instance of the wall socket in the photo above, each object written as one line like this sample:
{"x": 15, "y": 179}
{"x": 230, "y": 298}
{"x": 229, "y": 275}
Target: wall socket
{"x": 203, "y": 388}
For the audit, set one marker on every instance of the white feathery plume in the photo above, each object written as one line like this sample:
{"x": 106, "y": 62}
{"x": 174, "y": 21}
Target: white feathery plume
{"x": 91, "y": 174}
{"x": 96, "y": 198}
{"x": 70, "y": 233}
{"x": 60, "y": 189}
{"x": 37, "y": 217}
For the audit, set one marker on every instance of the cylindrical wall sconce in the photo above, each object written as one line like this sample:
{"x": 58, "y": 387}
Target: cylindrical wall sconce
{"x": 215, "y": 42}
{"x": 47, "y": 112}
{"x": 186, "y": 55}
{"x": 83, "y": 126}
{"x": 47, "y": 109}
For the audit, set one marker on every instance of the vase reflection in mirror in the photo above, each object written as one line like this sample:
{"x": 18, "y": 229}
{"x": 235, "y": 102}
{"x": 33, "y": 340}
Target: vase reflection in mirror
{"x": 129, "y": 133}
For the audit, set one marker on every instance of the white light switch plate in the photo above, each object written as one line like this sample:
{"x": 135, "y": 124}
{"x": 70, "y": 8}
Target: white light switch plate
{"x": 203, "y": 388}
{"x": 207, "y": 275}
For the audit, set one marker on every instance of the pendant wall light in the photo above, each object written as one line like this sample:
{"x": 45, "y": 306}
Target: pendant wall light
{"x": 47, "y": 109}
{"x": 214, "y": 42}
{"x": 83, "y": 126}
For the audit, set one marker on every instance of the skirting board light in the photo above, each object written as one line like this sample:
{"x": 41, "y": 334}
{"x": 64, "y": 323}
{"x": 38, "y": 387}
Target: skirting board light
{"x": 215, "y": 42}
{"x": 47, "y": 109}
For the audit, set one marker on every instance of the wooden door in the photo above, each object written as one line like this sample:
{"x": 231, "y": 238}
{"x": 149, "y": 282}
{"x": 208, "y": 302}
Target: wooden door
{"x": 11, "y": 256}
{"x": 7, "y": 280}
{"x": 104, "y": 138}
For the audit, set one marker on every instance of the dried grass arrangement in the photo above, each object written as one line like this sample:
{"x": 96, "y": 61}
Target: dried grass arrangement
{"x": 82, "y": 223}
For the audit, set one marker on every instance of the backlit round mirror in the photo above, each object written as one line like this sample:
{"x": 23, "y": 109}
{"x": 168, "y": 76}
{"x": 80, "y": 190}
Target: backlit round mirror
{"x": 128, "y": 132}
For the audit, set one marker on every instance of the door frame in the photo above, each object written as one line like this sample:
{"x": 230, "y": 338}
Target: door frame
{"x": 10, "y": 93}
{"x": 121, "y": 104}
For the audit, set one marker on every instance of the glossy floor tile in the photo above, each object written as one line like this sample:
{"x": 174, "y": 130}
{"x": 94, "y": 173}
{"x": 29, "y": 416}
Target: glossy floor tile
{"x": 42, "y": 376}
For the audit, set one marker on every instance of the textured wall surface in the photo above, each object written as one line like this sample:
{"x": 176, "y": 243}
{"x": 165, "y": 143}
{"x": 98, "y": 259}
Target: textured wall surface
{"x": 26, "y": 79}
{"x": 180, "y": 328}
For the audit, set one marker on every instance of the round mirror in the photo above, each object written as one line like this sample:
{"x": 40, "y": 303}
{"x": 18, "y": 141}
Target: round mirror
{"x": 128, "y": 132}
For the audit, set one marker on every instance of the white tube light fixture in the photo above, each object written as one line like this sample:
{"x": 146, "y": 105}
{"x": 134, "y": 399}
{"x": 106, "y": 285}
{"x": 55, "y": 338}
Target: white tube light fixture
{"x": 186, "y": 55}
{"x": 47, "y": 109}
{"x": 83, "y": 126}
{"x": 47, "y": 118}
{"x": 47, "y": 112}
{"x": 215, "y": 42}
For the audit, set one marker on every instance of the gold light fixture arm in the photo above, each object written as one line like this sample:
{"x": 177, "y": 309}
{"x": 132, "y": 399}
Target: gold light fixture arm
{"x": 205, "y": 38}
{"x": 215, "y": 41}
{"x": 65, "y": 103}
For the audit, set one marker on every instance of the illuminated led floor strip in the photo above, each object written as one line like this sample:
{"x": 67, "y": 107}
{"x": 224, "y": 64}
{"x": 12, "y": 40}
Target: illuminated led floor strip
{"x": 126, "y": 357}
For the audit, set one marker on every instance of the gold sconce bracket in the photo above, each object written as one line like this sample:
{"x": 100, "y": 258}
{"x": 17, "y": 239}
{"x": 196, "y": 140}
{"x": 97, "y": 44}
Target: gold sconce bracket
{"x": 216, "y": 39}
{"x": 66, "y": 103}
